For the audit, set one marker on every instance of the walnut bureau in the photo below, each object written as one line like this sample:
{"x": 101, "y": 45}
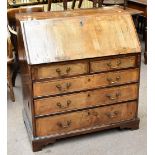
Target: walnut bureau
{"x": 80, "y": 74}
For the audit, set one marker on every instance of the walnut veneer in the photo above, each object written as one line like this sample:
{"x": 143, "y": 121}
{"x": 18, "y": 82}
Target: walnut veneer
{"x": 80, "y": 74}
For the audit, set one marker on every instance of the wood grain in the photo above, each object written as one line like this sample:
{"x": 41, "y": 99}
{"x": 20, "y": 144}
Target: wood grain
{"x": 55, "y": 87}
{"x": 85, "y": 119}
{"x": 90, "y": 96}
{"x": 112, "y": 64}
{"x": 70, "y": 38}
{"x": 76, "y": 12}
{"x": 85, "y": 99}
{"x": 60, "y": 70}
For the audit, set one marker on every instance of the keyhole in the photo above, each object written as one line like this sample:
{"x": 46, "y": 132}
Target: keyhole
{"x": 81, "y": 23}
{"x": 88, "y": 80}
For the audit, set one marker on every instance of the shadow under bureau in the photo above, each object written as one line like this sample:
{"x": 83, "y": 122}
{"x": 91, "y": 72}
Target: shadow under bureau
{"x": 80, "y": 73}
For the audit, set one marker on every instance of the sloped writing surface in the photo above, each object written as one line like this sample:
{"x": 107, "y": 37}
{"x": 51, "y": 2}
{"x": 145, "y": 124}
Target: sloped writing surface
{"x": 117, "y": 35}
{"x": 63, "y": 39}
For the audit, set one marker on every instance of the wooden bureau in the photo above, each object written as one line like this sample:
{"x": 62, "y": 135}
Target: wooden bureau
{"x": 80, "y": 73}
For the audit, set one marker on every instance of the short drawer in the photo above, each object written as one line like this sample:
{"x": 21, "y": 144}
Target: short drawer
{"x": 112, "y": 64}
{"x": 65, "y": 123}
{"x": 59, "y": 70}
{"x": 55, "y": 87}
{"x": 85, "y": 99}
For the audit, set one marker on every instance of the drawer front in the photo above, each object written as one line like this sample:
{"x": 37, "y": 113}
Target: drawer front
{"x": 55, "y": 87}
{"x": 85, "y": 99}
{"x": 59, "y": 70}
{"x": 61, "y": 124}
{"x": 112, "y": 64}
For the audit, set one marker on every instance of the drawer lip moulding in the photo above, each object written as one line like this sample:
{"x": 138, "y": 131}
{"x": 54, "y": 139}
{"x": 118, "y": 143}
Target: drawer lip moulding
{"x": 68, "y": 85}
{"x": 77, "y": 101}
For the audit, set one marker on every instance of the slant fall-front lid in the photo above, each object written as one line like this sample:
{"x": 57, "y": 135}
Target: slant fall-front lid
{"x": 80, "y": 36}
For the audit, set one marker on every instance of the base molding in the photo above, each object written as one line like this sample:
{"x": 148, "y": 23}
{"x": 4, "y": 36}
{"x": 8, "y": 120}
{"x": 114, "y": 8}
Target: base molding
{"x": 132, "y": 125}
{"x": 39, "y": 142}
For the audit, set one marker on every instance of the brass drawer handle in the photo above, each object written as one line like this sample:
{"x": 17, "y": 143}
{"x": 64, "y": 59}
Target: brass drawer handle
{"x": 113, "y": 97}
{"x": 88, "y": 113}
{"x": 59, "y": 87}
{"x": 118, "y": 63}
{"x": 58, "y": 70}
{"x": 111, "y": 81}
{"x": 63, "y": 125}
{"x": 92, "y": 113}
{"x": 68, "y": 85}
{"x": 112, "y": 114}
{"x": 63, "y": 106}
{"x": 68, "y": 70}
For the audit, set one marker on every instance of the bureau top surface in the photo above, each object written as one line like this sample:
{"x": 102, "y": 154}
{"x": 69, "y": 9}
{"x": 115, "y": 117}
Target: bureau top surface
{"x": 79, "y": 35}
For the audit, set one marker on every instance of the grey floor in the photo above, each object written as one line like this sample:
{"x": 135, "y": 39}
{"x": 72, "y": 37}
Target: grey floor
{"x": 111, "y": 142}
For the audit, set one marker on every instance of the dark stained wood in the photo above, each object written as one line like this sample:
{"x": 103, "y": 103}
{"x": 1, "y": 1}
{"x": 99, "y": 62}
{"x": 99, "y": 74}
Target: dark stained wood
{"x": 139, "y": 5}
{"x": 88, "y": 97}
{"x": 26, "y": 80}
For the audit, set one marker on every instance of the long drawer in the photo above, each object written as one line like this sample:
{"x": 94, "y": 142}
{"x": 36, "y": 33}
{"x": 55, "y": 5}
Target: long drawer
{"x": 55, "y": 87}
{"x": 65, "y": 123}
{"x": 60, "y": 70}
{"x": 112, "y": 64}
{"x": 85, "y": 99}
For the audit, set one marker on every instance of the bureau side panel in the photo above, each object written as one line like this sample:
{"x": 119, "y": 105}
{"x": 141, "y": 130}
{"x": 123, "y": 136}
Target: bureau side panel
{"x": 25, "y": 71}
